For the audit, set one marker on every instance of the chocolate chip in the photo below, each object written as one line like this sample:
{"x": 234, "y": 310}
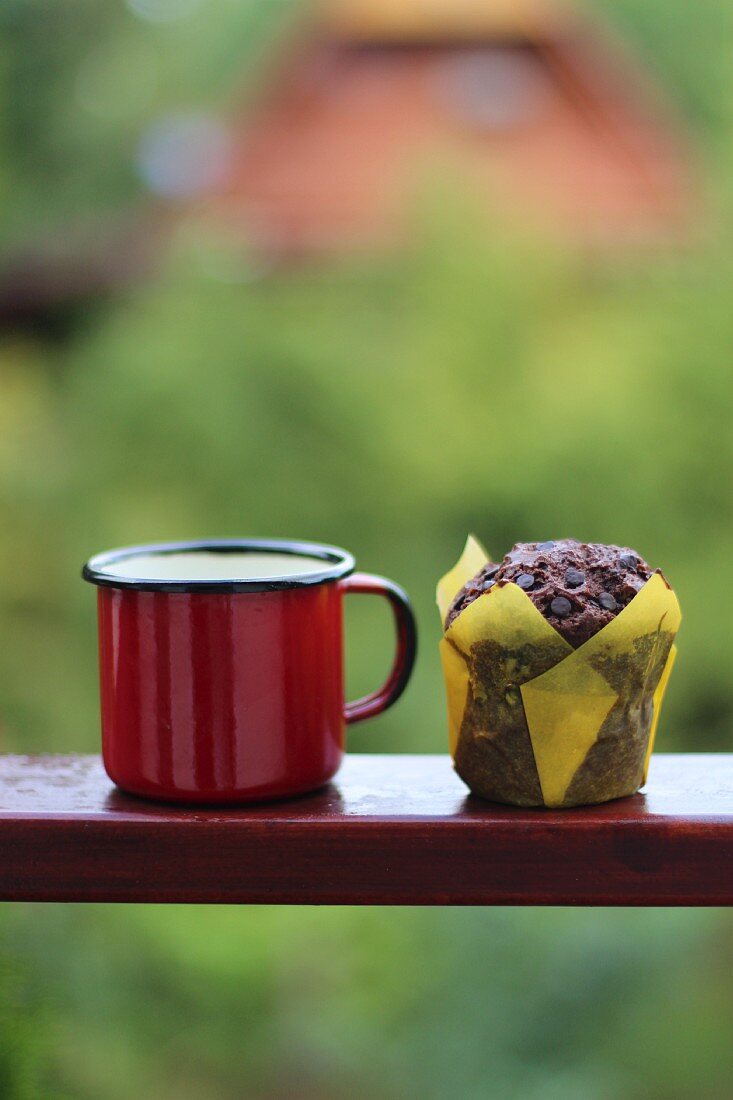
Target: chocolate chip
{"x": 574, "y": 578}
{"x": 545, "y": 545}
{"x": 489, "y": 573}
{"x": 525, "y": 581}
{"x": 607, "y": 602}
{"x": 560, "y": 607}
{"x": 487, "y": 585}
{"x": 629, "y": 561}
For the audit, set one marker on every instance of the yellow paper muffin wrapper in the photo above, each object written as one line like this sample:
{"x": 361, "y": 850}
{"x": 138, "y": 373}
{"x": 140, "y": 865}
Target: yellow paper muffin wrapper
{"x": 534, "y": 722}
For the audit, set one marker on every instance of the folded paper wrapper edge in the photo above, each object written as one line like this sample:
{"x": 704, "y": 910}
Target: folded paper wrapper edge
{"x": 455, "y": 671}
{"x": 657, "y": 707}
{"x": 473, "y": 558}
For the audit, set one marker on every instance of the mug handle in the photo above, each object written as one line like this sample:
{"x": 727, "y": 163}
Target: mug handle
{"x": 396, "y": 682}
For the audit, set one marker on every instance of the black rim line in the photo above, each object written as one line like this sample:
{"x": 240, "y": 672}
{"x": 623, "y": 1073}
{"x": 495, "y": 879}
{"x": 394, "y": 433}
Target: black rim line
{"x": 338, "y": 563}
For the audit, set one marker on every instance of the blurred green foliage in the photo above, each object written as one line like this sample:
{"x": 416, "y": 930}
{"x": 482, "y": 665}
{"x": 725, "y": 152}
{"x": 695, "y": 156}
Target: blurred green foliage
{"x": 475, "y": 382}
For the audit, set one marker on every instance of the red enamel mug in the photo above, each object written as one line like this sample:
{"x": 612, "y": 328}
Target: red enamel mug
{"x": 221, "y": 666}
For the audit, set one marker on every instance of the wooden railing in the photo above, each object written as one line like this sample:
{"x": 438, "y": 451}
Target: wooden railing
{"x": 390, "y": 830}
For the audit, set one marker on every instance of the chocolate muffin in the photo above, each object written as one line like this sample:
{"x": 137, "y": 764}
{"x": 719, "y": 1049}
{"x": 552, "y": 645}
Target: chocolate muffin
{"x": 579, "y": 587}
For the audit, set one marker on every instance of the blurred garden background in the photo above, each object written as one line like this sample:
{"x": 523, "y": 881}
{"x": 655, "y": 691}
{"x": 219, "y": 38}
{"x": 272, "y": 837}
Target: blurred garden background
{"x": 164, "y": 376}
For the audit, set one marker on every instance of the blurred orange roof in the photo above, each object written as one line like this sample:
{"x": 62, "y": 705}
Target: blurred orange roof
{"x": 424, "y": 20}
{"x": 539, "y": 109}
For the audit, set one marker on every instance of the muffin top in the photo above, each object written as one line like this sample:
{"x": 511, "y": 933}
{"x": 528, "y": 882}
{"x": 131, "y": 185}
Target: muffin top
{"x": 579, "y": 587}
